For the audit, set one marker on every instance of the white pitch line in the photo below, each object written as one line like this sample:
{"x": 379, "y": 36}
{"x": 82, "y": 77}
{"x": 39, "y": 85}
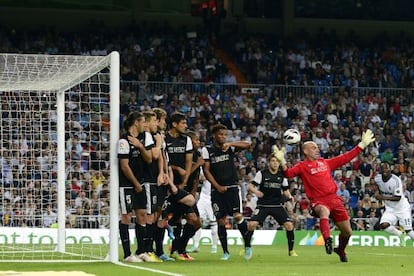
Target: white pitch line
{"x": 150, "y": 269}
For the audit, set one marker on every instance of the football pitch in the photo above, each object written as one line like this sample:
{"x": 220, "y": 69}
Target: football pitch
{"x": 267, "y": 260}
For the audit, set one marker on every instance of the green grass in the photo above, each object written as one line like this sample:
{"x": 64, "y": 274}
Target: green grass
{"x": 267, "y": 260}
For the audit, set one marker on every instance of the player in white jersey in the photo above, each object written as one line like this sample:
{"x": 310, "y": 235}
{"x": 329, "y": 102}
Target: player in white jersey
{"x": 397, "y": 208}
{"x": 206, "y": 215}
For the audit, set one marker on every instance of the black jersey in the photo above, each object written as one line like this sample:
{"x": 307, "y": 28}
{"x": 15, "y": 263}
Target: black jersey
{"x": 152, "y": 169}
{"x": 177, "y": 148}
{"x": 221, "y": 165}
{"x": 126, "y": 150}
{"x": 272, "y": 187}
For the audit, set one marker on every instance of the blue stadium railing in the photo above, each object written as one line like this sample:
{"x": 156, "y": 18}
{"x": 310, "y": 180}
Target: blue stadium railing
{"x": 146, "y": 90}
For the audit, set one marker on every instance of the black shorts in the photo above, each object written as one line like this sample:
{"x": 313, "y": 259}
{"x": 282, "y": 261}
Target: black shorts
{"x": 152, "y": 198}
{"x": 125, "y": 199}
{"x": 172, "y": 207}
{"x": 130, "y": 200}
{"x": 162, "y": 194}
{"x": 140, "y": 200}
{"x": 227, "y": 203}
{"x": 277, "y": 212}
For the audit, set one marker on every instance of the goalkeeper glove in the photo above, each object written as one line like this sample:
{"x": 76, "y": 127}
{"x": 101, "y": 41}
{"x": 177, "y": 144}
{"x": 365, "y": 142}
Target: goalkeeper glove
{"x": 280, "y": 155}
{"x": 366, "y": 139}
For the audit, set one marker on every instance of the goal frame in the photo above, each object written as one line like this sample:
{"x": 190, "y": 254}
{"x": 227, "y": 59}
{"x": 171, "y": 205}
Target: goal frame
{"x": 111, "y": 61}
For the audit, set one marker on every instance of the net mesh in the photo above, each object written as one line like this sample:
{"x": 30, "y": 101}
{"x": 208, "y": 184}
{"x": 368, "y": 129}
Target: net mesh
{"x": 28, "y": 167}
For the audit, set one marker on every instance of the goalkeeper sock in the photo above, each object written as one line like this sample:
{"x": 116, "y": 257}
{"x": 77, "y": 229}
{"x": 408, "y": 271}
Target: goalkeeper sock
{"x": 343, "y": 242}
{"x": 325, "y": 229}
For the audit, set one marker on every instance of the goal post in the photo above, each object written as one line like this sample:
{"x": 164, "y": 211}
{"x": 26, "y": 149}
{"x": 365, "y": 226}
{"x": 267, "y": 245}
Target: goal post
{"x": 60, "y": 122}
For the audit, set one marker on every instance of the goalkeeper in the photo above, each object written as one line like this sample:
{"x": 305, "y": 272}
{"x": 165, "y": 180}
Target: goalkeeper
{"x": 320, "y": 188}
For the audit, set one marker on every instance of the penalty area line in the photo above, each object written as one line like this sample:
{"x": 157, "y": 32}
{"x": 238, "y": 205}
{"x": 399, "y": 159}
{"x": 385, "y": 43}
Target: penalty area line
{"x": 150, "y": 269}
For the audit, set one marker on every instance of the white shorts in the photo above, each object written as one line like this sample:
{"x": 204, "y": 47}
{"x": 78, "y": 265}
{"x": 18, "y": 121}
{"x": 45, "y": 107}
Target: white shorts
{"x": 205, "y": 210}
{"x": 403, "y": 217}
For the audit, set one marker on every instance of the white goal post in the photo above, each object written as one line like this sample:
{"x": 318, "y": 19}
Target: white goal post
{"x": 59, "y": 128}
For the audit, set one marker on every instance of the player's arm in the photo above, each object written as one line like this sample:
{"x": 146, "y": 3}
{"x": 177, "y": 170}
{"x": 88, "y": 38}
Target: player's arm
{"x": 188, "y": 164}
{"x": 156, "y": 150}
{"x": 196, "y": 166}
{"x": 210, "y": 177}
{"x": 286, "y": 191}
{"x": 238, "y": 145}
{"x": 126, "y": 170}
{"x": 252, "y": 188}
{"x": 207, "y": 173}
{"x": 145, "y": 151}
{"x": 161, "y": 169}
{"x": 396, "y": 196}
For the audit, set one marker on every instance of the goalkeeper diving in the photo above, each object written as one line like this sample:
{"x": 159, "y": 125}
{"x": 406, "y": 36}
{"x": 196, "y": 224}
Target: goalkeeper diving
{"x": 316, "y": 174}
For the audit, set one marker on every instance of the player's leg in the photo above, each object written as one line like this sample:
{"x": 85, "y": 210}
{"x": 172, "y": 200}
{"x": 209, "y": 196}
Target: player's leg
{"x": 219, "y": 207}
{"x": 151, "y": 191}
{"x": 323, "y": 213}
{"x": 405, "y": 222}
{"x": 193, "y": 224}
{"x": 282, "y": 217}
{"x": 344, "y": 235}
{"x": 125, "y": 202}
{"x": 341, "y": 218}
{"x": 140, "y": 209}
{"x": 213, "y": 228}
{"x": 388, "y": 222}
{"x": 160, "y": 223}
{"x": 203, "y": 217}
{"x": 234, "y": 201}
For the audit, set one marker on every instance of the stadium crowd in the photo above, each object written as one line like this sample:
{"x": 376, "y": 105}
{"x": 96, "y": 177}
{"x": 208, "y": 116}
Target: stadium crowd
{"x": 318, "y": 88}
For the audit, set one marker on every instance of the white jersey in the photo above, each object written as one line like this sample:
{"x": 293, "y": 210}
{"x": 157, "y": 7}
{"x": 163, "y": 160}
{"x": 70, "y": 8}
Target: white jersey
{"x": 205, "y": 193}
{"x": 392, "y": 187}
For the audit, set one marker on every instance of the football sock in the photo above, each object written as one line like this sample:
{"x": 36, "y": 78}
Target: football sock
{"x": 141, "y": 234}
{"x": 124, "y": 235}
{"x": 290, "y": 235}
{"x": 159, "y": 239}
{"x": 214, "y": 233}
{"x": 411, "y": 234}
{"x": 188, "y": 232}
{"x": 196, "y": 238}
{"x": 150, "y": 238}
{"x": 222, "y": 233}
{"x": 392, "y": 230}
{"x": 325, "y": 229}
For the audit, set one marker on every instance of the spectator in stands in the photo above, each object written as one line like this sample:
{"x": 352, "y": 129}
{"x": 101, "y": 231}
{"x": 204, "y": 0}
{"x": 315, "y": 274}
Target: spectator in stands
{"x": 49, "y": 217}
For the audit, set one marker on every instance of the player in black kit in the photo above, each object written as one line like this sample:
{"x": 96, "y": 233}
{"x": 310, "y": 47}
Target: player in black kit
{"x": 134, "y": 150}
{"x": 220, "y": 170}
{"x": 272, "y": 190}
{"x": 179, "y": 149}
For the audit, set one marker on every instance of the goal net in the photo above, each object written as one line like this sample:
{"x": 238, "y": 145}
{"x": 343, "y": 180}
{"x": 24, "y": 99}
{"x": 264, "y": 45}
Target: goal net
{"x": 58, "y": 169}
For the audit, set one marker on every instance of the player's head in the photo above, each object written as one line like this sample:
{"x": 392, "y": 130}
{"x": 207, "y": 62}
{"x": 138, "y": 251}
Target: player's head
{"x": 311, "y": 150}
{"x": 272, "y": 162}
{"x": 219, "y": 132}
{"x": 194, "y": 139}
{"x": 151, "y": 120}
{"x": 132, "y": 118}
{"x": 178, "y": 122}
{"x": 385, "y": 167}
{"x": 161, "y": 117}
